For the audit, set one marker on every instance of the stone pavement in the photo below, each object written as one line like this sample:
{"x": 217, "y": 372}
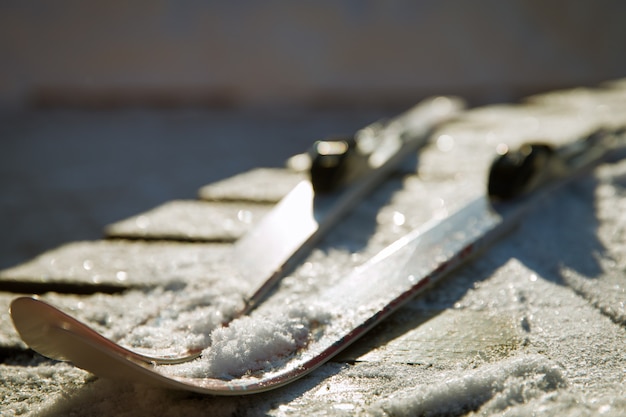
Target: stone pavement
{"x": 536, "y": 325}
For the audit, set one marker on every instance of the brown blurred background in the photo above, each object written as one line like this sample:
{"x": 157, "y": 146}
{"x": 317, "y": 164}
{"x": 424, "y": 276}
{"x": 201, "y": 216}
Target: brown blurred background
{"x": 168, "y": 52}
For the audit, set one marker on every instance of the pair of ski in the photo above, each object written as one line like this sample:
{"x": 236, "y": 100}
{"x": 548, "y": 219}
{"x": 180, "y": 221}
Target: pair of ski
{"x": 373, "y": 291}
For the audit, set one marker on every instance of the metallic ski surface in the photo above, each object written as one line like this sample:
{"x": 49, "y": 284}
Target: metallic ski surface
{"x": 303, "y": 217}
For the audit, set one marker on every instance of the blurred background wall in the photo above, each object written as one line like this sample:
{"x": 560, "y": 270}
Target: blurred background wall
{"x": 324, "y": 52}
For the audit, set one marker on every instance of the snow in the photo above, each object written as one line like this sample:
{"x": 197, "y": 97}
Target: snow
{"x": 187, "y": 319}
{"x": 160, "y": 321}
{"x": 259, "y": 343}
{"x": 493, "y": 388}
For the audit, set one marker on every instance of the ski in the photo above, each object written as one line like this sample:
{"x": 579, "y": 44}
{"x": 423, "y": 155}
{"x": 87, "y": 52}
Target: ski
{"x": 339, "y": 315}
{"x": 342, "y": 173}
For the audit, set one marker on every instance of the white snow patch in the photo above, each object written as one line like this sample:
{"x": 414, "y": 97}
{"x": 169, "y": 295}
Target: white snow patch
{"x": 184, "y": 319}
{"x": 492, "y": 388}
{"x": 261, "y": 342}
{"x": 568, "y": 404}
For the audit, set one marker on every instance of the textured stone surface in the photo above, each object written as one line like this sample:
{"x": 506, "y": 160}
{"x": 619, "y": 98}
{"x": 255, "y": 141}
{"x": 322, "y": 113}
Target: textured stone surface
{"x": 263, "y": 185}
{"x": 191, "y": 220}
{"x": 36, "y": 386}
{"x": 123, "y": 264}
{"x": 9, "y": 339}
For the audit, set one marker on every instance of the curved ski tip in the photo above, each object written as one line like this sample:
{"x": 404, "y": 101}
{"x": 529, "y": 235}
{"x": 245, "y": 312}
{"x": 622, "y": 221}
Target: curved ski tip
{"x": 21, "y": 307}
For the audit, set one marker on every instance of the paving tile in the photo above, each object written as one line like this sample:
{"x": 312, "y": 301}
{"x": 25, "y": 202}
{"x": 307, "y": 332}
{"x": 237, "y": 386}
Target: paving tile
{"x": 9, "y": 339}
{"x": 537, "y": 120}
{"x": 605, "y": 288}
{"x": 606, "y": 106}
{"x": 261, "y": 185}
{"x": 191, "y": 220}
{"x": 444, "y": 338}
{"x": 615, "y": 84}
{"x": 32, "y": 386}
{"x": 117, "y": 264}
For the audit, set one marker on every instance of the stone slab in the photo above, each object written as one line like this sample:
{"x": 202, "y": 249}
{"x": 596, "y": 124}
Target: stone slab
{"x": 605, "y": 288}
{"x": 117, "y": 264}
{"x": 260, "y": 185}
{"x": 191, "y": 220}
{"x": 9, "y": 339}
{"x": 34, "y": 386}
{"x": 446, "y": 337}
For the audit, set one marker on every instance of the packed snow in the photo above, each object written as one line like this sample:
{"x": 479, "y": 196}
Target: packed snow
{"x": 492, "y": 388}
{"x": 255, "y": 344}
